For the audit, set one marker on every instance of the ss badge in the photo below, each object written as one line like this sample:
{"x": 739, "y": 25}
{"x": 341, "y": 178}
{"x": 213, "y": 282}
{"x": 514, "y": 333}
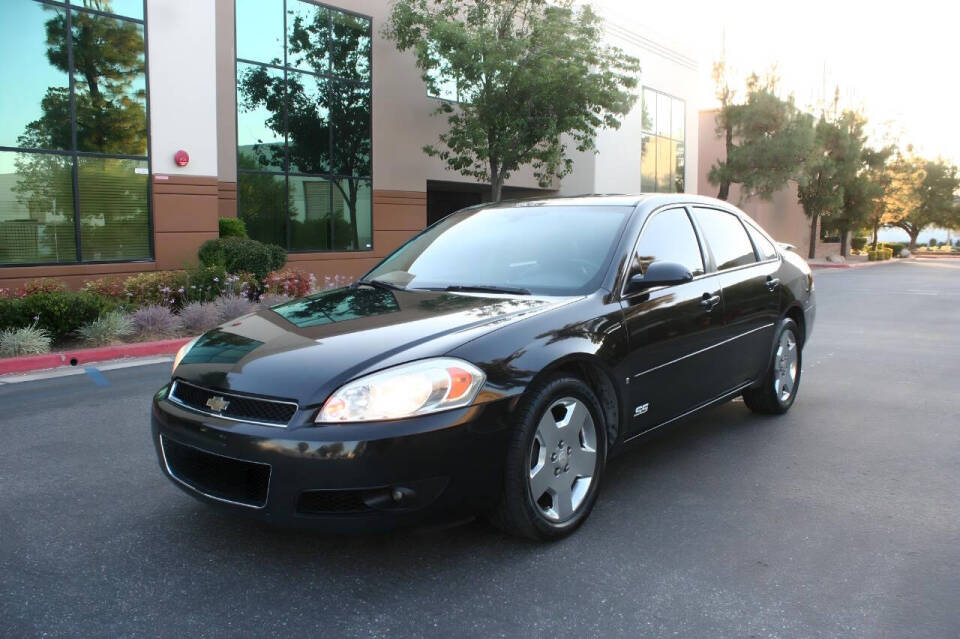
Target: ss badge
{"x": 640, "y": 410}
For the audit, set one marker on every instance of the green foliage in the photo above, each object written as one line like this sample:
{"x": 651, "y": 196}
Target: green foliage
{"x": 858, "y": 243}
{"x": 156, "y": 287}
{"x": 767, "y": 138}
{"x": 107, "y": 329}
{"x": 530, "y": 74}
{"x": 60, "y": 314}
{"x": 232, "y": 227}
{"x": 895, "y": 248}
{"x": 28, "y": 340}
{"x": 238, "y": 255}
{"x": 935, "y": 200}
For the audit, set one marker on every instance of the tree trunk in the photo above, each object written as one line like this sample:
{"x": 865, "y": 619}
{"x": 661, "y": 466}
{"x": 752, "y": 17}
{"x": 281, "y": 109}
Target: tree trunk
{"x": 844, "y": 234}
{"x": 814, "y": 219}
{"x": 913, "y": 239}
{"x": 876, "y": 232}
{"x": 724, "y": 190}
{"x": 496, "y": 181}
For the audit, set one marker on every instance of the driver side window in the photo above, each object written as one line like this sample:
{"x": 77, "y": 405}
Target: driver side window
{"x": 668, "y": 236}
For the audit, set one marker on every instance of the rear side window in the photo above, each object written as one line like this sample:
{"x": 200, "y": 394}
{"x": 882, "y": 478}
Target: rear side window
{"x": 764, "y": 247}
{"x": 668, "y": 236}
{"x": 727, "y": 238}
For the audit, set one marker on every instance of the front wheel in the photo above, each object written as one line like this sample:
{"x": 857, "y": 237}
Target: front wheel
{"x": 554, "y": 461}
{"x": 778, "y": 388}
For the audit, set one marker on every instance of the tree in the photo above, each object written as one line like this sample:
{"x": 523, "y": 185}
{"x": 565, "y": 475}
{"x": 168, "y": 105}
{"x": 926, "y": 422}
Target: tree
{"x": 529, "y": 73}
{"x": 934, "y": 197}
{"x": 820, "y": 188}
{"x": 766, "y": 138}
{"x": 900, "y": 178}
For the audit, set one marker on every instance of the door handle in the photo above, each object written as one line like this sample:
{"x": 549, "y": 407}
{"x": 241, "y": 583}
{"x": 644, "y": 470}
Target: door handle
{"x": 709, "y": 301}
{"x": 772, "y": 283}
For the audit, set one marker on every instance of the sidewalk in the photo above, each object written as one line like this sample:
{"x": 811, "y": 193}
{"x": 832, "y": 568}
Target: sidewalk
{"x": 855, "y": 261}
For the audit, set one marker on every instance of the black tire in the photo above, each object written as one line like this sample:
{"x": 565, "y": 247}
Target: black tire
{"x": 517, "y": 513}
{"x": 764, "y": 397}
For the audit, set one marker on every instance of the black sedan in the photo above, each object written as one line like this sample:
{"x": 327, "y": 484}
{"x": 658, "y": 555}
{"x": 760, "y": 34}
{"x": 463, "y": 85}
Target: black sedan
{"x": 491, "y": 364}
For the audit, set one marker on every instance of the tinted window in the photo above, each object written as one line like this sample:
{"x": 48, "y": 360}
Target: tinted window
{"x": 727, "y": 238}
{"x": 668, "y": 237}
{"x": 550, "y": 250}
{"x": 764, "y": 246}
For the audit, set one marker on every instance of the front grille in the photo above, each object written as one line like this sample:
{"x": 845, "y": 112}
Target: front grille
{"x": 238, "y": 407}
{"x": 223, "y": 478}
{"x": 319, "y": 502}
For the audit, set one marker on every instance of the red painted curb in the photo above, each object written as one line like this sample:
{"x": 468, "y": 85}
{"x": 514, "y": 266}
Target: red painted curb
{"x": 84, "y": 356}
{"x": 831, "y": 266}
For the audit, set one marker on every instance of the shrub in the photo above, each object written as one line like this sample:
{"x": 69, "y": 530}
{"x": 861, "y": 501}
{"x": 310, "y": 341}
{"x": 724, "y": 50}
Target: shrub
{"x": 857, "y": 243}
{"x": 43, "y": 285}
{"x": 239, "y": 255}
{"x": 205, "y": 283}
{"x": 27, "y": 340}
{"x": 197, "y": 317}
{"x": 155, "y": 321}
{"x": 273, "y": 299}
{"x": 231, "y": 307}
{"x": 334, "y": 281}
{"x": 59, "y": 314}
{"x": 896, "y": 247}
{"x": 232, "y": 227}
{"x": 106, "y": 286}
{"x": 291, "y": 281}
{"x": 106, "y": 329}
{"x": 165, "y": 288}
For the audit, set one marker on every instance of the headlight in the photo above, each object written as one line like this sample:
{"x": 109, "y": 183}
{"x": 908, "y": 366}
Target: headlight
{"x": 183, "y": 352}
{"x": 417, "y": 388}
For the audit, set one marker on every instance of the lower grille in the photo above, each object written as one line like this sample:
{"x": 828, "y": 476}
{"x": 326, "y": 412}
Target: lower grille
{"x": 319, "y": 502}
{"x": 223, "y": 478}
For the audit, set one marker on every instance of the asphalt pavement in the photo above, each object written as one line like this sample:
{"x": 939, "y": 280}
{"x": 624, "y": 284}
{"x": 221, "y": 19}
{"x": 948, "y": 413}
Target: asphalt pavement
{"x": 839, "y": 519}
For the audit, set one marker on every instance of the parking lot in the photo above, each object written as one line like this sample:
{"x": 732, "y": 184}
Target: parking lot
{"x": 839, "y": 519}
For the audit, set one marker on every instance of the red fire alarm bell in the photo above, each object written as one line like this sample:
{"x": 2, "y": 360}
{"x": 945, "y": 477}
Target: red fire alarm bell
{"x": 181, "y": 158}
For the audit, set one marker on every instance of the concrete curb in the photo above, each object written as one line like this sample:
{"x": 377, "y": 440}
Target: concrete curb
{"x": 859, "y": 264}
{"x": 84, "y": 356}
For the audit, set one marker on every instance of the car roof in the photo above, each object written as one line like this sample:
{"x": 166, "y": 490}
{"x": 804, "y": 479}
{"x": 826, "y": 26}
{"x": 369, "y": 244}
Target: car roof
{"x": 655, "y": 200}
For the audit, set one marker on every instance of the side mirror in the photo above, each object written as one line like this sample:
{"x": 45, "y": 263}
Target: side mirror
{"x": 660, "y": 274}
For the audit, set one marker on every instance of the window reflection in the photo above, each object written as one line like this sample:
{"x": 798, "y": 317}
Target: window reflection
{"x": 662, "y": 158}
{"x": 727, "y": 238}
{"x": 311, "y": 119}
{"x": 338, "y": 305}
{"x": 106, "y": 114}
{"x": 668, "y": 237}
{"x": 260, "y": 30}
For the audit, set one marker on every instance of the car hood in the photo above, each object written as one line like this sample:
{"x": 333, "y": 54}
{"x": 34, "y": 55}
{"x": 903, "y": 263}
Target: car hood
{"x": 304, "y": 349}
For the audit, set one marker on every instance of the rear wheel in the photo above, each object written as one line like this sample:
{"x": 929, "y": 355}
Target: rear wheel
{"x": 777, "y": 391}
{"x": 554, "y": 461}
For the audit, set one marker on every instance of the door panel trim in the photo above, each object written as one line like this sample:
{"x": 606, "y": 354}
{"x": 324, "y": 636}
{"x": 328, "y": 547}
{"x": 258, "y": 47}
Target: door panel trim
{"x": 702, "y": 350}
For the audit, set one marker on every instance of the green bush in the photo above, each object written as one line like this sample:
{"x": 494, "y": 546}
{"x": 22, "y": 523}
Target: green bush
{"x": 106, "y": 329}
{"x": 239, "y": 255}
{"x": 896, "y": 247}
{"x": 232, "y": 227}
{"x": 156, "y": 287}
{"x": 59, "y": 313}
{"x": 857, "y": 243}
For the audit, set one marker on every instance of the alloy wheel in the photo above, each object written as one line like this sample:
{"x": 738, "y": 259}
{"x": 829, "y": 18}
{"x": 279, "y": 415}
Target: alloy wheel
{"x": 785, "y": 366}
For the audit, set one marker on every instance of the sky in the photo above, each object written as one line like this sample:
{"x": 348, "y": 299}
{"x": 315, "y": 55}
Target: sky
{"x": 897, "y": 61}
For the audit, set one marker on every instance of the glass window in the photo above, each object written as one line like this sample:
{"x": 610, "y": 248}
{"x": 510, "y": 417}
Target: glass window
{"x": 662, "y": 159}
{"x": 103, "y": 113}
{"x": 668, "y": 236}
{"x": 550, "y": 250}
{"x": 113, "y": 209}
{"x": 727, "y": 238}
{"x": 764, "y": 246}
{"x": 308, "y": 123}
{"x": 260, "y": 30}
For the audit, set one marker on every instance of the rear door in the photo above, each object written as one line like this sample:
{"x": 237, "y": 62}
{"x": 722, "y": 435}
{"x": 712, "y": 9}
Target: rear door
{"x": 751, "y": 294}
{"x": 670, "y": 365}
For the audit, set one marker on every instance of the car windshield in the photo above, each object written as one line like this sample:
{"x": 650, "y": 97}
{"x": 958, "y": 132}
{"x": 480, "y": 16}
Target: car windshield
{"x": 543, "y": 250}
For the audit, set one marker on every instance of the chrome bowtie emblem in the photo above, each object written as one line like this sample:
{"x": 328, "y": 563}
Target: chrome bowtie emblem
{"x": 217, "y": 404}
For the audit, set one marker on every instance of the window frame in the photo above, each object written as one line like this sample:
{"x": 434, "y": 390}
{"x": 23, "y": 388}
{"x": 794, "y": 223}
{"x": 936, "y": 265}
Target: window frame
{"x": 709, "y": 268}
{"x": 286, "y": 173}
{"x": 653, "y": 135}
{"x": 750, "y": 224}
{"x": 74, "y": 154}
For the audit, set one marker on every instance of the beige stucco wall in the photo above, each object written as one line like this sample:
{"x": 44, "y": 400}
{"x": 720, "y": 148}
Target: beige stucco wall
{"x": 782, "y": 216}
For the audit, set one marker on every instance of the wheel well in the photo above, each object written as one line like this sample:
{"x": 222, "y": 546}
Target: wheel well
{"x": 796, "y": 314}
{"x": 600, "y": 383}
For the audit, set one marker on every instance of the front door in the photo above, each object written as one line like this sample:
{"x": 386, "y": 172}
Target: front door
{"x": 671, "y": 329}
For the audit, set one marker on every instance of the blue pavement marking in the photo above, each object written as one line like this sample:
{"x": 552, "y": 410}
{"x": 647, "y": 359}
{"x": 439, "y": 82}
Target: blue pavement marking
{"x": 96, "y": 375}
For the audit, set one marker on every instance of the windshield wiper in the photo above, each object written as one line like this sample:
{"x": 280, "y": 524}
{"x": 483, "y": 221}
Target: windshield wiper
{"x": 386, "y": 286}
{"x": 480, "y": 288}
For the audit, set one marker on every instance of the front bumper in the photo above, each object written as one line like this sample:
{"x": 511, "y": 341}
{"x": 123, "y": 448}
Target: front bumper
{"x": 349, "y": 478}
